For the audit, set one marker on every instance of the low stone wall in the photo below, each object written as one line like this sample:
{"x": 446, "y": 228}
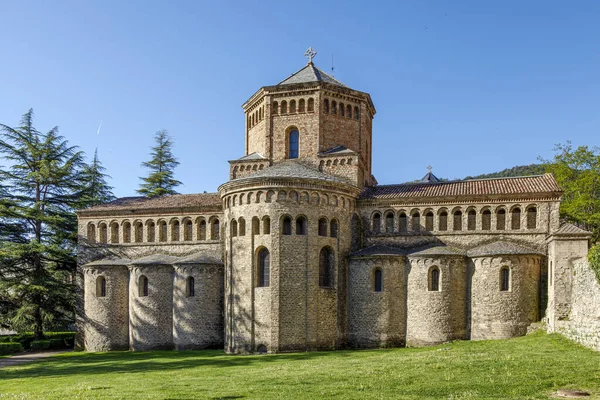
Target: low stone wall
{"x": 583, "y": 322}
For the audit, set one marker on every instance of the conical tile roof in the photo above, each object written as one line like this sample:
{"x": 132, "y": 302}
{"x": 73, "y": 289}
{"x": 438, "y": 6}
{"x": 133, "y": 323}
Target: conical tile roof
{"x": 308, "y": 74}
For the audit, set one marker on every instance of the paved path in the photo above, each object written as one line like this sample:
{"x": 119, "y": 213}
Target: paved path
{"x": 27, "y": 357}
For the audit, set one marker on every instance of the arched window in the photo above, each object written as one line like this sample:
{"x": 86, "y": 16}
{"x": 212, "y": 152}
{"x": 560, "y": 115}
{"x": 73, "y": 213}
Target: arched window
{"x": 202, "y": 230}
{"x": 292, "y": 106}
{"x": 234, "y": 228}
{"x": 515, "y": 221}
{"x": 91, "y": 233}
{"x": 504, "y": 279}
{"x": 501, "y": 219}
{"x": 356, "y": 113}
{"x": 326, "y": 106}
{"x": 531, "y": 218}
{"x": 389, "y": 222}
{"x": 326, "y": 267}
{"x": 334, "y": 107}
{"x": 311, "y": 104}
{"x": 190, "y": 287}
{"x": 162, "y": 231}
{"x": 377, "y": 280}
{"x": 175, "y": 231}
{"x": 255, "y": 226}
{"x": 242, "y": 227}
{"x": 214, "y": 230}
{"x": 266, "y": 226}
{"x": 275, "y": 108}
{"x": 457, "y": 221}
{"x": 264, "y": 268}
{"x": 429, "y": 221}
{"x": 151, "y": 232}
{"x": 416, "y": 221}
{"x": 294, "y": 144}
{"x": 434, "y": 279}
{"x": 333, "y": 228}
{"x": 138, "y": 232}
{"x": 101, "y": 286}
{"x": 143, "y": 286}
{"x": 486, "y": 220}
{"x": 114, "y": 232}
{"x": 376, "y": 222}
{"x": 342, "y": 110}
{"x": 349, "y": 111}
{"x": 284, "y": 107}
{"x": 323, "y": 227}
{"x": 402, "y": 223}
{"x": 471, "y": 220}
{"x": 126, "y": 232}
{"x": 287, "y": 226}
{"x": 187, "y": 230}
{"x": 301, "y": 228}
{"x": 301, "y": 105}
{"x": 443, "y": 221}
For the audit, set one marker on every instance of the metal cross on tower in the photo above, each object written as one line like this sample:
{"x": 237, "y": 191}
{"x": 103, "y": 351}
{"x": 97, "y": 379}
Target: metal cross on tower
{"x": 429, "y": 168}
{"x": 310, "y": 54}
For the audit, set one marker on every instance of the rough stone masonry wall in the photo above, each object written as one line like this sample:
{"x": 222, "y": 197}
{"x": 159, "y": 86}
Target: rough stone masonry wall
{"x": 583, "y": 325}
{"x": 107, "y": 318}
{"x": 436, "y": 316}
{"x": 497, "y": 314}
{"x": 294, "y": 312}
{"x": 198, "y": 319}
{"x": 573, "y": 293}
{"x": 376, "y": 318}
{"x": 151, "y": 316}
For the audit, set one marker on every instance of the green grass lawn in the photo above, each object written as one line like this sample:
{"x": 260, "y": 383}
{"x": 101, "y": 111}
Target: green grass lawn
{"x": 531, "y": 367}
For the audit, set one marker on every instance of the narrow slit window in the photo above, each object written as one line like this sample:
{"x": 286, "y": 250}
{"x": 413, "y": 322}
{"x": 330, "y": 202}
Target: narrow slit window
{"x": 378, "y": 281}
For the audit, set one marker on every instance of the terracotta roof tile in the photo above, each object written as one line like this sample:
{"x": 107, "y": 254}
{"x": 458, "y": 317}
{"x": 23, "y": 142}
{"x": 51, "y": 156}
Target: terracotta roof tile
{"x": 539, "y": 184}
{"x": 151, "y": 203}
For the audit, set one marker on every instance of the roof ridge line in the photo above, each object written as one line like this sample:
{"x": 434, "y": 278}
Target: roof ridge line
{"x": 458, "y": 180}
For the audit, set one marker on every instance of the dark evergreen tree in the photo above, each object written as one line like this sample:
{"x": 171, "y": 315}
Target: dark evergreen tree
{"x": 161, "y": 180}
{"x": 95, "y": 189}
{"x": 37, "y": 260}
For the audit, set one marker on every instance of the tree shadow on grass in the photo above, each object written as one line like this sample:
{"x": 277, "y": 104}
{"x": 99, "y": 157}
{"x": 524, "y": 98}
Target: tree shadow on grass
{"x": 133, "y": 362}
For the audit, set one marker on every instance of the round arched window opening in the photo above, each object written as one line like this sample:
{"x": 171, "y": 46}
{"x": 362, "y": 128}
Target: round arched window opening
{"x": 294, "y": 144}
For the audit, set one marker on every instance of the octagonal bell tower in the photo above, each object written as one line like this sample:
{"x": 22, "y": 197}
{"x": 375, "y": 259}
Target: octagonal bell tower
{"x": 314, "y": 117}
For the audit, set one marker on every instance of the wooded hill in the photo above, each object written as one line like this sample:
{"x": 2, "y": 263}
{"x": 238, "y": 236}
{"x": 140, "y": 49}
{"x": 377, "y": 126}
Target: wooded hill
{"x": 520, "y": 170}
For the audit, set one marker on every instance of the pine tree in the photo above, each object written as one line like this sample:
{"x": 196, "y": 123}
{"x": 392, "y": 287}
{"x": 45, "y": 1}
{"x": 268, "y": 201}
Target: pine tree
{"x": 160, "y": 182}
{"x": 95, "y": 189}
{"x": 41, "y": 187}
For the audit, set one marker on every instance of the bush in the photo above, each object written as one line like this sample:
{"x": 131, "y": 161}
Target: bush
{"x": 10, "y": 348}
{"x": 67, "y": 339}
{"x": 24, "y": 338}
{"x": 38, "y": 345}
{"x": 594, "y": 259}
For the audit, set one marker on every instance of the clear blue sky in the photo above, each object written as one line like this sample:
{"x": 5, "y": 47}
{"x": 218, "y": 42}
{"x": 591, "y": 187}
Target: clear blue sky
{"x": 467, "y": 86}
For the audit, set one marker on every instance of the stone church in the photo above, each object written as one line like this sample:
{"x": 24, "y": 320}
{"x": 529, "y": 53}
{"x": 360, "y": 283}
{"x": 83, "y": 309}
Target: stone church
{"x": 302, "y": 250}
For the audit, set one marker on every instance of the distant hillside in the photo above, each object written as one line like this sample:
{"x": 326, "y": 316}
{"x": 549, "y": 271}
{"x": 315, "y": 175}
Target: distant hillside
{"x": 521, "y": 170}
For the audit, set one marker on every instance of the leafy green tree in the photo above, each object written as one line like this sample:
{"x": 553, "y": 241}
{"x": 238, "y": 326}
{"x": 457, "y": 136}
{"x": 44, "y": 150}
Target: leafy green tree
{"x": 95, "y": 189}
{"x": 161, "y": 180}
{"x": 577, "y": 171}
{"x": 41, "y": 186}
